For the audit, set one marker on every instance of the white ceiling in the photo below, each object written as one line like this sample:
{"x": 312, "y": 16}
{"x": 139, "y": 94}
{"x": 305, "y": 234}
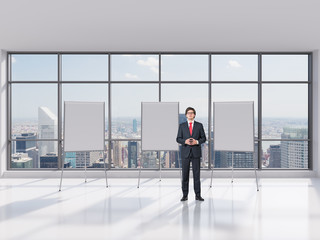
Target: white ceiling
{"x": 162, "y": 25}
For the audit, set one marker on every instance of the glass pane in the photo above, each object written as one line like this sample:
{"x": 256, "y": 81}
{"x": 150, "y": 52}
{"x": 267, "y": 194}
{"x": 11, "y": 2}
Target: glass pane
{"x": 172, "y": 159}
{"x": 86, "y": 92}
{"x": 34, "y": 154}
{"x": 184, "y": 67}
{"x": 284, "y": 154}
{"x": 285, "y": 111}
{"x": 222, "y": 159}
{"x": 85, "y": 67}
{"x": 234, "y": 67}
{"x": 237, "y": 92}
{"x": 126, "y": 107}
{"x": 127, "y": 154}
{"x": 198, "y": 100}
{"x": 285, "y": 68}
{"x": 135, "y": 68}
{"x": 34, "y": 67}
{"x": 91, "y": 159}
{"x": 34, "y": 111}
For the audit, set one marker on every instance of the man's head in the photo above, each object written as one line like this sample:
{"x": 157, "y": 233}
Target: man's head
{"x": 190, "y": 113}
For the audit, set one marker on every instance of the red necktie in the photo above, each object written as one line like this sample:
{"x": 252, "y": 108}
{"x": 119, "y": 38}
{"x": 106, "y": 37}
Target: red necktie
{"x": 190, "y": 128}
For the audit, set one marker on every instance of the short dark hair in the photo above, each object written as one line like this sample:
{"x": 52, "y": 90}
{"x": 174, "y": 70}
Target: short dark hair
{"x": 190, "y": 108}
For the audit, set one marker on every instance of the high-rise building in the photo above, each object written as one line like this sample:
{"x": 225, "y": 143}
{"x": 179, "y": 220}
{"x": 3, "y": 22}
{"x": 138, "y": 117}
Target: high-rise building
{"x": 70, "y": 157}
{"x": 223, "y": 159}
{"x": 95, "y": 156}
{"x": 275, "y": 156}
{"x": 182, "y": 118}
{"x": 171, "y": 159}
{"x": 132, "y": 154}
{"x": 294, "y": 154}
{"x": 50, "y": 160}
{"x": 28, "y": 147}
{"x": 116, "y": 154}
{"x": 47, "y": 129}
{"x": 23, "y": 146}
{"x": 134, "y": 123}
{"x": 99, "y": 163}
{"x": 21, "y": 160}
{"x": 82, "y": 159}
{"x": 149, "y": 159}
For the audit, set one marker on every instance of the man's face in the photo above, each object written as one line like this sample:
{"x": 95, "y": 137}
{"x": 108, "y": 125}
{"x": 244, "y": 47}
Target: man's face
{"x": 190, "y": 115}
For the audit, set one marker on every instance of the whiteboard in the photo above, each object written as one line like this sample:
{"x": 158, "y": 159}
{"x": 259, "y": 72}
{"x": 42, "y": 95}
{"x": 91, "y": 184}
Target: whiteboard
{"x": 159, "y": 126}
{"x": 233, "y": 126}
{"x": 84, "y": 126}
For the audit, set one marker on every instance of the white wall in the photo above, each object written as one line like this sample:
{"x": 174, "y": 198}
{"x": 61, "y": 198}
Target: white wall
{"x": 153, "y": 25}
{"x": 3, "y": 115}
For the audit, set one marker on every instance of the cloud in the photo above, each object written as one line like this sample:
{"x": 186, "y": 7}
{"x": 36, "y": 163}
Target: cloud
{"x": 234, "y": 64}
{"x": 13, "y": 59}
{"x": 131, "y": 76}
{"x": 151, "y": 62}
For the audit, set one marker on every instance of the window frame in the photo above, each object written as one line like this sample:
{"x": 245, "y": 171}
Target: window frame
{"x": 210, "y": 83}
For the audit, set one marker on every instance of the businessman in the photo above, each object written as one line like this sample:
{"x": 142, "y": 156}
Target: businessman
{"x": 191, "y": 135}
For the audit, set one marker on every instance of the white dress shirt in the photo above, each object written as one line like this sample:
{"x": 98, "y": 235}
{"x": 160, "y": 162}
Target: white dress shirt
{"x": 192, "y": 127}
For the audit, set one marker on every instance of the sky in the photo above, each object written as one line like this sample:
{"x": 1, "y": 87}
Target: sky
{"x": 279, "y": 100}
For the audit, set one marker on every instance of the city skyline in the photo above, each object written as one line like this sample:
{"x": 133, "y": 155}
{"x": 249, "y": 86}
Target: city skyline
{"x": 125, "y": 129}
{"x": 283, "y": 104}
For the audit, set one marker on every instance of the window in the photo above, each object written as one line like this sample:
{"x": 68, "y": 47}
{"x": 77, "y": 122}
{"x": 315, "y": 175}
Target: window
{"x": 87, "y": 67}
{"x": 237, "y": 92}
{"x": 284, "y": 106}
{"x": 289, "y": 68}
{"x": 34, "y": 67}
{"x": 33, "y": 111}
{"x": 198, "y": 100}
{"x": 38, "y": 84}
{"x": 126, "y": 108}
{"x": 86, "y": 92}
{"x": 184, "y": 67}
{"x": 234, "y": 68}
{"x": 135, "y": 68}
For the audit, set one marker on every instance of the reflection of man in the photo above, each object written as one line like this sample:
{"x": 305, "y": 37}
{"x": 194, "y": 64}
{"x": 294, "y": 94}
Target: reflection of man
{"x": 191, "y": 135}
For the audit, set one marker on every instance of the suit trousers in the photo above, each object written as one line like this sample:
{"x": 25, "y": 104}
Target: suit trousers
{"x": 196, "y": 174}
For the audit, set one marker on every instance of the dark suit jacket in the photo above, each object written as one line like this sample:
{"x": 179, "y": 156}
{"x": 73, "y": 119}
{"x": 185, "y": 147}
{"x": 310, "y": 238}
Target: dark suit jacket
{"x": 197, "y": 134}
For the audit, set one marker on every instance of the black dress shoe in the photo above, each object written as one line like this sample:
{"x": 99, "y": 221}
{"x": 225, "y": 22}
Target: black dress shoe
{"x": 184, "y": 198}
{"x": 199, "y": 198}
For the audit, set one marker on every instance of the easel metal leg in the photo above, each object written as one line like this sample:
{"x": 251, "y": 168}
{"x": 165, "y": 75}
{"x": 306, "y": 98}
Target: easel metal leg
{"x": 212, "y": 169}
{"x": 61, "y": 177}
{"x": 62, "y": 167}
{"x": 232, "y": 168}
{"x": 255, "y": 172}
{"x": 85, "y": 166}
{"x": 105, "y": 170}
{"x": 159, "y": 165}
{"x": 140, "y": 171}
{"x": 211, "y": 177}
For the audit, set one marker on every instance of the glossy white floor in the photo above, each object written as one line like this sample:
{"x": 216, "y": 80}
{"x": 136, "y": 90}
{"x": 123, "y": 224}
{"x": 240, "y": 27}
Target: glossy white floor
{"x": 282, "y": 209}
